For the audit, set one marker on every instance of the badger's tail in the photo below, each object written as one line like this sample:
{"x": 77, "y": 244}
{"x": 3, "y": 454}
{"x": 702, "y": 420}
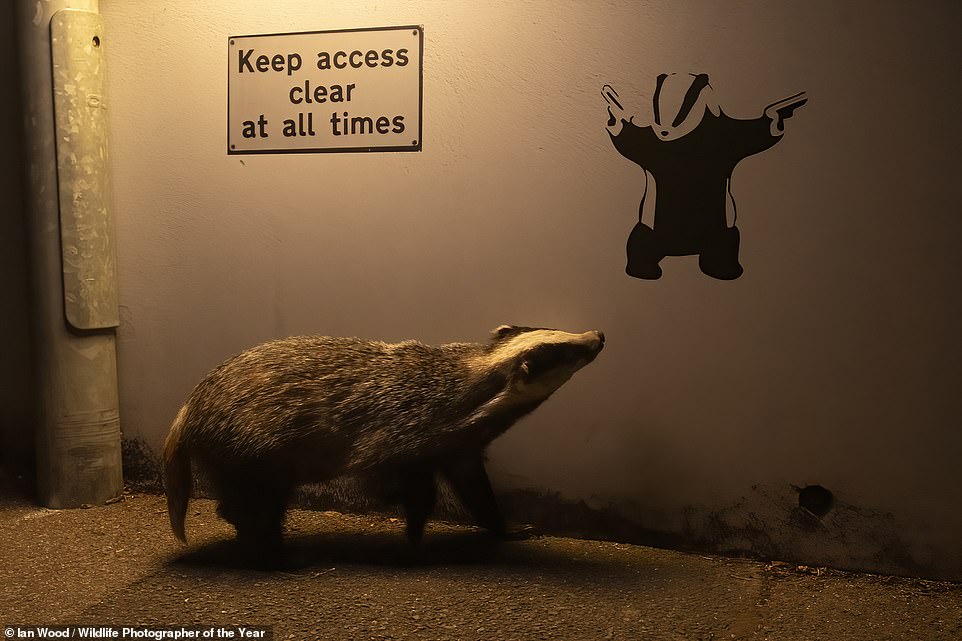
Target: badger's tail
{"x": 177, "y": 477}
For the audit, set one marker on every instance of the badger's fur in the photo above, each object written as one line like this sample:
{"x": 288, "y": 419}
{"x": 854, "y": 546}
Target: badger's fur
{"x": 309, "y": 409}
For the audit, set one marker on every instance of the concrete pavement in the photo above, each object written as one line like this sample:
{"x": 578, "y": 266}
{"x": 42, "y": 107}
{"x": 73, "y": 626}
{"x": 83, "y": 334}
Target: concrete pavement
{"x": 355, "y": 579}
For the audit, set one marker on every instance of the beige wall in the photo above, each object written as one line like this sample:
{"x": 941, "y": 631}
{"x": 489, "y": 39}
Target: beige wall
{"x": 834, "y": 360}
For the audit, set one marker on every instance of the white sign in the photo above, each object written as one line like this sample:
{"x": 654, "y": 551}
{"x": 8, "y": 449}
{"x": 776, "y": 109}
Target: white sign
{"x": 324, "y": 91}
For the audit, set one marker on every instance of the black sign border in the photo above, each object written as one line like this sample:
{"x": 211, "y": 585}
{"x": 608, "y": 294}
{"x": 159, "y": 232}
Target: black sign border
{"x": 335, "y": 150}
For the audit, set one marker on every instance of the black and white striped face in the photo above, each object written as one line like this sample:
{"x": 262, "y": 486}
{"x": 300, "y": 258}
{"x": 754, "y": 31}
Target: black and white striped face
{"x": 680, "y": 102}
{"x": 539, "y": 361}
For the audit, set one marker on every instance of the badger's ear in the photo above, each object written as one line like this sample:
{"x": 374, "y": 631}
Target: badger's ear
{"x": 501, "y": 331}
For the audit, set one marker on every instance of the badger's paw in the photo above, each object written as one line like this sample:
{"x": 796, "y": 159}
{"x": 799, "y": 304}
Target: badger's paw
{"x": 517, "y": 533}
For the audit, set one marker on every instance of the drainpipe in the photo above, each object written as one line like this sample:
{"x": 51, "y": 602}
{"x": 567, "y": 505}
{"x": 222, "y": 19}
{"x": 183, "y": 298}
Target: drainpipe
{"x": 74, "y": 311}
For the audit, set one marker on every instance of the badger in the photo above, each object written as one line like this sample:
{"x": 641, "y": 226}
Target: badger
{"x": 309, "y": 409}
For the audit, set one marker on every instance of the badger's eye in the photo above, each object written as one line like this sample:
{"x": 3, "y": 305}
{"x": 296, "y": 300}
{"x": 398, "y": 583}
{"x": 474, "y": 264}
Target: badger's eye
{"x": 542, "y": 359}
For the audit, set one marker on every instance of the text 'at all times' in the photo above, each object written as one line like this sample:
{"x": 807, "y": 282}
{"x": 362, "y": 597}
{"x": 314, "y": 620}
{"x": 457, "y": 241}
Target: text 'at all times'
{"x": 342, "y": 122}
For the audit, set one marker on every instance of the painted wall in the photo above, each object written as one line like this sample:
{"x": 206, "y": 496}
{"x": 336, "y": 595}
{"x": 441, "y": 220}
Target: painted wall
{"x": 834, "y": 360}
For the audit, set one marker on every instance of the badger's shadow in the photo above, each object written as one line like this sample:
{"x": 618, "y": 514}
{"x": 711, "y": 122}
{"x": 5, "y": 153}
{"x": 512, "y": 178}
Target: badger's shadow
{"x": 350, "y": 547}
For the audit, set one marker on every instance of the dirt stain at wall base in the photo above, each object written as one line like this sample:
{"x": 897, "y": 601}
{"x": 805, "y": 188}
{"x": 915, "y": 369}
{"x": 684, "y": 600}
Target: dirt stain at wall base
{"x": 767, "y": 523}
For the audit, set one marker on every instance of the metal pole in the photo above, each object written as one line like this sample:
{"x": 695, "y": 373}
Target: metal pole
{"x": 71, "y": 252}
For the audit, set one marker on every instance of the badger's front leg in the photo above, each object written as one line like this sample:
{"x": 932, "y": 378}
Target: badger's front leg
{"x": 416, "y": 490}
{"x": 469, "y": 481}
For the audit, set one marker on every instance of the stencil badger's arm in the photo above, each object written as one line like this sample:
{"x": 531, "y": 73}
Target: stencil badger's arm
{"x": 778, "y": 112}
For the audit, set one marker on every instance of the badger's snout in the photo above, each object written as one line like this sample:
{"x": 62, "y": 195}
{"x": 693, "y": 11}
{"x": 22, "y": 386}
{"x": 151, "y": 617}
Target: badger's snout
{"x": 598, "y": 337}
{"x": 596, "y": 340}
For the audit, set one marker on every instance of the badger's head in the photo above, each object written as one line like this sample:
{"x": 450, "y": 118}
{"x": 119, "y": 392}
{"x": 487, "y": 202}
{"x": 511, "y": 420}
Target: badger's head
{"x": 536, "y": 362}
{"x": 680, "y": 103}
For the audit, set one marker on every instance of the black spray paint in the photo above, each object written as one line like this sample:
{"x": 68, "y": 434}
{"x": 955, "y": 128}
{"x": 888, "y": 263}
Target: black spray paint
{"x": 689, "y": 152}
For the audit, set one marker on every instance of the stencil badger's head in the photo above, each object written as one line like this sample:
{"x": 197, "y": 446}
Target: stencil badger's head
{"x": 536, "y": 362}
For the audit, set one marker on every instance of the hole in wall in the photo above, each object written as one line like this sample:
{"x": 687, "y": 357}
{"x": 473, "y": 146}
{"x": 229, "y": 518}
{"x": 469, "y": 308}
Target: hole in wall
{"x": 96, "y": 41}
{"x": 816, "y": 499}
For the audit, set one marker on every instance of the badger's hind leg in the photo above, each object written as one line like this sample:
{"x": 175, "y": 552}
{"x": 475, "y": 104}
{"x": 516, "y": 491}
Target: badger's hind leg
{"x": 255, "y": 505}
{"x": 417, "y": 492}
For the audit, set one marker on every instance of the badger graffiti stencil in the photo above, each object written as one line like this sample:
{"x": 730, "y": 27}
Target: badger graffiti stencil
{"x": 688, "y": 155}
